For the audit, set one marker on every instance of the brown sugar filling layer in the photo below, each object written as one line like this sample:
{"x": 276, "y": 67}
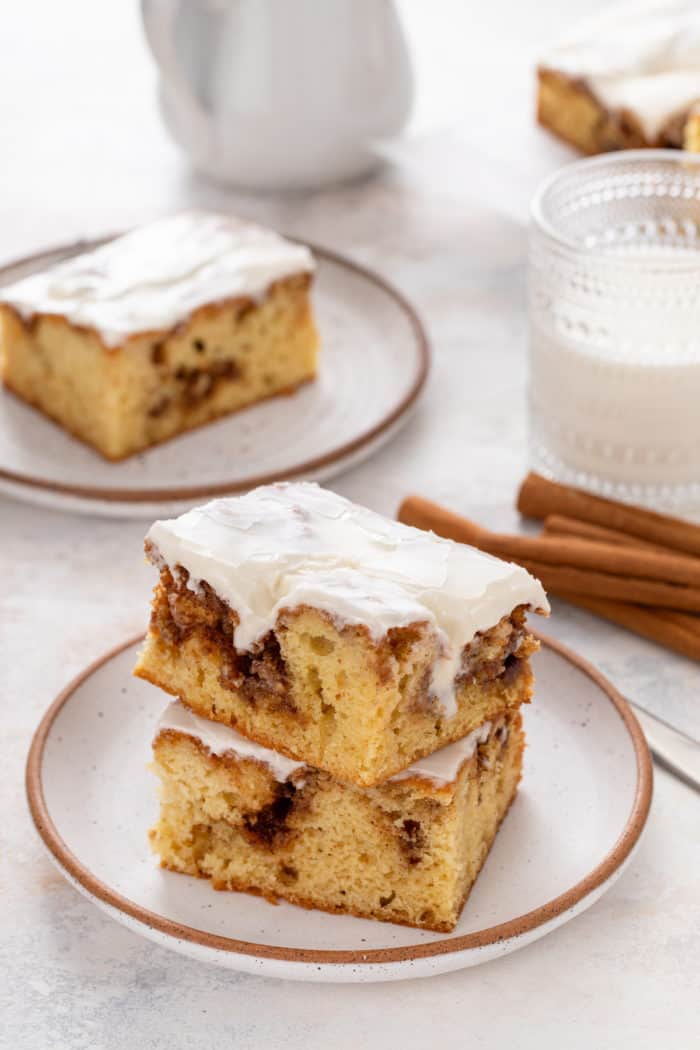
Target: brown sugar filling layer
{"x": 178, "y": 612}
{"x": 325, "y": 693}
{"x": 195, "y": 384}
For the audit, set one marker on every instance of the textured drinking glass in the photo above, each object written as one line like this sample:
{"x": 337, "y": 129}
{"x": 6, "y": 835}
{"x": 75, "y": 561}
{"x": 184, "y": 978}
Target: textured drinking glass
{"x": 614, "y": 300}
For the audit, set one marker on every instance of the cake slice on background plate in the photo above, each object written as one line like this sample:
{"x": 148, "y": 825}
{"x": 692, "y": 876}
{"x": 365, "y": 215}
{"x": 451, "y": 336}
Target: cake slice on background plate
{"x": 334, "y": 635}
{"x": 161, "y": 330}
{"x": 626, "y": 78}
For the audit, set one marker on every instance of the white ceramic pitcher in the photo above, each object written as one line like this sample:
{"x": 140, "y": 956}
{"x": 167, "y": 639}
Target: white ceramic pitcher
{"x": 280, "y": 94}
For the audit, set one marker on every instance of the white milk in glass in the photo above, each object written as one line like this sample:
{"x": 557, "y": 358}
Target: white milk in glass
{"x": 614, "y": 390}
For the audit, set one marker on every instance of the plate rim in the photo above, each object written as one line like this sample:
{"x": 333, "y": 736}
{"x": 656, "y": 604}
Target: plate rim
{"x": 448, "y": 945}
{"x": 193, "y": 492}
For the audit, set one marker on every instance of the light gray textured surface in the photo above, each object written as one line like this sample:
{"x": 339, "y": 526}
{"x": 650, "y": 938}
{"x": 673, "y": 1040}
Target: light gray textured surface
{"x": 446, "y": 224}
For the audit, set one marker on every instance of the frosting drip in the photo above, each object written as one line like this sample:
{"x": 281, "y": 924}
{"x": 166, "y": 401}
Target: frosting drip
{"x": 441, "y": 767}
{"x": 643, "y": 57}
{"x": 292, "y": 544}
{"x": 156, "y": 276}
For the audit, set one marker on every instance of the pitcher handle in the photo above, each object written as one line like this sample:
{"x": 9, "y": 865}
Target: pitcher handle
{"x": 158, "y": 21}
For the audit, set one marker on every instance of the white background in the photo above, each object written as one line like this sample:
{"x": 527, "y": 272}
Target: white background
{"x": 83, "y": 152}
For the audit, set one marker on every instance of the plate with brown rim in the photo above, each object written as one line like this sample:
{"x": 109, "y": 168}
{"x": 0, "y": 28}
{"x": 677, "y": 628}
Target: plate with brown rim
{"x": 570, "y": 833}
{"x": 373, "y": 365}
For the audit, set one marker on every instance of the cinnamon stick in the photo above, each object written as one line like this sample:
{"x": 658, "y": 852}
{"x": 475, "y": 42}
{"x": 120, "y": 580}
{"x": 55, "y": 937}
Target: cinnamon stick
{"x": 562, "y": 579}
{"x": 670, "y": 572}
{"x": 634, "y": 603}
{"x": 676, "y": 631}
{"x": 539, "y": 498}
{"x": 559, "y": 525}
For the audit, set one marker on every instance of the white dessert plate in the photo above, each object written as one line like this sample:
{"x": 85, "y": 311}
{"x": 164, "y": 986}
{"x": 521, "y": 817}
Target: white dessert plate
{"x": 572, "y": 829}
{"x": 373, "y": 364}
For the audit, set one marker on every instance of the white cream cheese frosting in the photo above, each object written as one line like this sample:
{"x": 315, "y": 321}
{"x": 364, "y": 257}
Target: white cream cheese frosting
{"x": 154, "y": 277}
{"x": 220, "y": 740}
{"x": 441, "y": 767}
{"x": 642, "y": 56}
{"x": 292, "y": 544}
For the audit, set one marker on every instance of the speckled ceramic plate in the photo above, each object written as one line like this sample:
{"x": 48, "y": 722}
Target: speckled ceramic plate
{"x": 572, "y": 829}
{"x": 373, "y": 364}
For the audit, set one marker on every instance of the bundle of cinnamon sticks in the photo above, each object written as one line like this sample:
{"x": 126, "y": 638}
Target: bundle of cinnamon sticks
{"x": 626, "y": 564}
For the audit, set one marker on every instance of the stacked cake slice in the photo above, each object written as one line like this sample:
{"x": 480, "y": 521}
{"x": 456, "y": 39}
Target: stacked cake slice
{"x": 347, "y": 733}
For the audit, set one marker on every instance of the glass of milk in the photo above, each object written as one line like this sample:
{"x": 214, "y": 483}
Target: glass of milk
{"x": 614, "y": 304}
